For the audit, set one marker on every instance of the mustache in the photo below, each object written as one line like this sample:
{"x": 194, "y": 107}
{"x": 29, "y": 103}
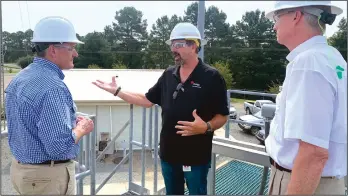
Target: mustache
{"x": 176, "y": 54}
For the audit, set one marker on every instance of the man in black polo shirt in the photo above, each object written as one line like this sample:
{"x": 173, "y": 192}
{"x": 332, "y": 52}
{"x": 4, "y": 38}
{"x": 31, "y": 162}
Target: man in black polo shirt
{"x": 193, "y": 99}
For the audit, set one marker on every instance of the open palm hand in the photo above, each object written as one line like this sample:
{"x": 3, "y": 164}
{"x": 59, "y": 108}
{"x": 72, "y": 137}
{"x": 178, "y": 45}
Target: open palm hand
{"x": 109, "y": 87}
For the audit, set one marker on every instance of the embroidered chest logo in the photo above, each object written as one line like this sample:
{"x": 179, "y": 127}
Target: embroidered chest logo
{"x": 339, "y": 71}
{"x": 195, "y": 85}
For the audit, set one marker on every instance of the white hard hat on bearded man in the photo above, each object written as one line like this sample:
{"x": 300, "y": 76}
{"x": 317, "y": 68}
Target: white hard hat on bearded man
{"x": 187, "y": 31}
{"x": 55, "y": 29}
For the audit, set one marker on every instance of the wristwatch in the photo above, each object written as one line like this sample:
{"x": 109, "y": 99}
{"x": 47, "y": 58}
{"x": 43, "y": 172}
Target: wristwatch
{"x": 209, "y": 130}
{"x": 73, "y": 135}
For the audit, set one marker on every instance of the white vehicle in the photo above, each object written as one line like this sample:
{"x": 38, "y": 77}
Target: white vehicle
{"x": 233, "y": 112}
{"x": 251, "y": 107}
{"x": 252, "y": 118}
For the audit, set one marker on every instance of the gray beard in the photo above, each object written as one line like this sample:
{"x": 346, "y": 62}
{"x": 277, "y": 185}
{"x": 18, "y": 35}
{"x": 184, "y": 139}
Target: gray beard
{"x": 180, "y": 62}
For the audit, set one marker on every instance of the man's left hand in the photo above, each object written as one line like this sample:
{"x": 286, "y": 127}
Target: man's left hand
{"x": 198, "y": 126}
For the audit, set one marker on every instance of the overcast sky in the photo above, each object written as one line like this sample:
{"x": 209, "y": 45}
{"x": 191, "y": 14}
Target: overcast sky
{"x": 89, "y": 16}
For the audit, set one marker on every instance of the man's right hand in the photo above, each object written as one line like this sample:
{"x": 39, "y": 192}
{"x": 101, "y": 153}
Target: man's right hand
{"x": 83, "y": 127}
{"x": 109, "y": 87}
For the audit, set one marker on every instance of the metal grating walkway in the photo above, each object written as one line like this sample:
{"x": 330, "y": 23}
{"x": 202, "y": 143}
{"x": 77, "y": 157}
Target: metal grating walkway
{"x": 239, "y": 178}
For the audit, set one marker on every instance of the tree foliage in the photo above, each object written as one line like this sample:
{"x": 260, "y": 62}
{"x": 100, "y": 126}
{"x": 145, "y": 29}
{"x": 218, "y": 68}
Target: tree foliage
{"x": 246, "y": 53}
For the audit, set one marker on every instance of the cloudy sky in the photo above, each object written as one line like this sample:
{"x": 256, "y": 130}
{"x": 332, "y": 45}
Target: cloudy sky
{"x": 89, "y": 16}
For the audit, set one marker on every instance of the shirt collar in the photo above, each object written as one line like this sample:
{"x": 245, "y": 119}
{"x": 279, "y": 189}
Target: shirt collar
{"x": 177, "y": 68}
{"x": 51, "y": 66}
{"x": 305, "y": 46}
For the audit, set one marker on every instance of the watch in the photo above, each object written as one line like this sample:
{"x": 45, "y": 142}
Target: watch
{"x": 209, "y": 130}
{"x": 74, "y": 135}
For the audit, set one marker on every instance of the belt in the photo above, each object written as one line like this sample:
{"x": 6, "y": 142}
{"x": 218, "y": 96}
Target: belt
{"x": 278, "y": 166}
{"x": 50, "y": 162}
{"x": 287, "y": 170}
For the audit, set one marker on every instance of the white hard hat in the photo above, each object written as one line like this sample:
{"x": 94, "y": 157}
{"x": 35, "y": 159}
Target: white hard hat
{"x": 280, "y": 5}
{"x": 185, "y": 30}
{"x": 54, "y": 29}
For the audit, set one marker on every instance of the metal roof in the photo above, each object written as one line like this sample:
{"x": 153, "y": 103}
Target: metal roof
{"x": 79, "y": 81}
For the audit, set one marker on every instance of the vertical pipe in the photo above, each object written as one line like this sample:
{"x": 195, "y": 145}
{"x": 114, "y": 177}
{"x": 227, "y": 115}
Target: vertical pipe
{"x": 265, "y": 169}
{"x": 93, "y": 155}
{"x": 150, "y": 128}
{"x": 155, "y": 150}
{"x": 130, "y": 172}
{"x": 200, "y": 25}
{"x": 143, "y": 158}
{"x": 211, "y": 176}
{"x": 227, "y": 127}
{"x": 80, "y": 182}
{"x": 87, "y": 151}
{"x": 2, "y": 75}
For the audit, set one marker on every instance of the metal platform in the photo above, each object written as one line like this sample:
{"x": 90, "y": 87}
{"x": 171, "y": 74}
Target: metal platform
{"x": 239, "y": 178}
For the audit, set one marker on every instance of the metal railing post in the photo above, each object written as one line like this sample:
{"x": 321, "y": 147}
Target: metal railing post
{"x": 143, "y": 158}
{"x": 80, "y": 159}
{"x": 130, "y": 172}
{"x": 93, "y": 156}
{"x": 267, "y": 111}
{"x": 150, "y": 129}
{"x": 155, "y": 150}
{"x": 227, "y": 127}
{"x": 211, "y": 175}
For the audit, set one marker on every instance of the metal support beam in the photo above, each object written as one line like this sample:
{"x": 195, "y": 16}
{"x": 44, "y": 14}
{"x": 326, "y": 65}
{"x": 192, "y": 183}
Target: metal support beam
{"x": 200, "y": 25}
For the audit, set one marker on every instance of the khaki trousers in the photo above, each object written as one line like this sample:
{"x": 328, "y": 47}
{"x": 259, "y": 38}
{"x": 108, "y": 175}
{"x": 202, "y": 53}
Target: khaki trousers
{"x": 54, "y": 179}
{"x": 279, "y": 181}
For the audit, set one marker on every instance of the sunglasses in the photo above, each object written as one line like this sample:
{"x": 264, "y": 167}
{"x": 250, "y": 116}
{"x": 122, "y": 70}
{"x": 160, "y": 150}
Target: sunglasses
{"x": 178, "y": 88}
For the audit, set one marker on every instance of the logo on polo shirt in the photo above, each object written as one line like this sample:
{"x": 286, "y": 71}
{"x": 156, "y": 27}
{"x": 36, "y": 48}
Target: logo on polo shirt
{"x": 195, "y": 85}
{"x": 339, "y": 71}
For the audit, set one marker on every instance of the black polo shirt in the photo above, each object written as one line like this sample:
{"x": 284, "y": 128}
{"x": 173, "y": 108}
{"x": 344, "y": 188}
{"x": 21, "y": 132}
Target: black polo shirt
{"x": 204, "y": 90}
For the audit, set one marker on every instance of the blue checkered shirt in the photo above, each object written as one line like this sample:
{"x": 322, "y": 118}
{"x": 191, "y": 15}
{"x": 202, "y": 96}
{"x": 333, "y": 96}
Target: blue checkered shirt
{"x": 40, "y": 114}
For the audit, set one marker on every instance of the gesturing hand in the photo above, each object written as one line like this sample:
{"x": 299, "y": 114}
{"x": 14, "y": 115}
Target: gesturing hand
{"x": 198, "y": 126}
{"x": 109, "y": 87}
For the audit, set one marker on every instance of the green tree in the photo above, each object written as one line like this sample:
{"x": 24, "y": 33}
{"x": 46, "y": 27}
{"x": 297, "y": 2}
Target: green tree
{"x": 130, "y": 32}
{"x": 339, "y": 39}
{"x": 258, "y": 59}
{"x": 158, "y": 54}
{"x": 224, "y": 70}
{"x": 96, "y": 50}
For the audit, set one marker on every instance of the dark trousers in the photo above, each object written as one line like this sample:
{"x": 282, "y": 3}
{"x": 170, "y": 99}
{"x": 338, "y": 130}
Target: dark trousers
{"x": 175, "y": 177}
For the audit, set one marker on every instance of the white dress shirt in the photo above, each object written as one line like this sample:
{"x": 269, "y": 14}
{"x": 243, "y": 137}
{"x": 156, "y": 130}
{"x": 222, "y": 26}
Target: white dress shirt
{"x": 312, "y": 107}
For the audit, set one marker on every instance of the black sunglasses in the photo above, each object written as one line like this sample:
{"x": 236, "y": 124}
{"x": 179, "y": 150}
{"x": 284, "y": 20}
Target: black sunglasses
{"x": 178, "y": 88}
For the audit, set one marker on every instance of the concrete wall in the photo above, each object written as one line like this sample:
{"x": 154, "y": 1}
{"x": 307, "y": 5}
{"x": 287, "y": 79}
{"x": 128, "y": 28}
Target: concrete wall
{"x": 111, "y": 118}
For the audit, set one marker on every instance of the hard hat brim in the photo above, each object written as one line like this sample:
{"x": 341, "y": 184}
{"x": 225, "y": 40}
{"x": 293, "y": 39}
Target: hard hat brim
{"x": 334, "y": 10}
{"x": 52, "y": 41}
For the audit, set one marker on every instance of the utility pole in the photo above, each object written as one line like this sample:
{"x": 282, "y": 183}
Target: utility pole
{"x": 2, "y": 75}
{"x": 200, "y": 25}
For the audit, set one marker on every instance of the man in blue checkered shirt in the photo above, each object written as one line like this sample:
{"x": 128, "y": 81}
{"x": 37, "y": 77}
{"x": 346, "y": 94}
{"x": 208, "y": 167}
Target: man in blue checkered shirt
{"x": 43, "y": 130}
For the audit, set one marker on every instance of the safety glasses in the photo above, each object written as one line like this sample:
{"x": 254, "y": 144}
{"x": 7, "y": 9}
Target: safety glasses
{"x": 70, "y": 48}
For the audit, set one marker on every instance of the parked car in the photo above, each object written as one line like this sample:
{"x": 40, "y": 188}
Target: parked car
{"x": 252, "y": 107}
{"x": 233, "y": 112}
{"x": 252, "y": 118}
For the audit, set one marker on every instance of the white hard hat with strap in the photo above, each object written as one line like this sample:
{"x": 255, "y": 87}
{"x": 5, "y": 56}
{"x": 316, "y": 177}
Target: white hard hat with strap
{"x": 54, "y": 29}
{"x": 309, "y": 7}
{"x": 185, "y": 31}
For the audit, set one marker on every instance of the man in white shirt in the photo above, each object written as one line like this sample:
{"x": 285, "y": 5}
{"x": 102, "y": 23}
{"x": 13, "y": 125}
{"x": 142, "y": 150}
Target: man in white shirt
{"x": 308, "y": 135}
